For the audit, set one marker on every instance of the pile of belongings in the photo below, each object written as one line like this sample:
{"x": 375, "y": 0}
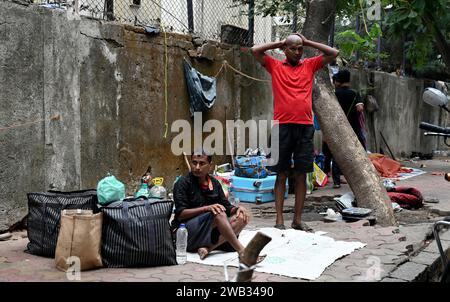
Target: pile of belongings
{"x": 347, "y": 205}
{"x": 251, "y": 165}
{"x": 406, "y": 197}
{"x": 386, "y": 166}
{"x": 101, "y": 227}
{"x": 355, "y": 214}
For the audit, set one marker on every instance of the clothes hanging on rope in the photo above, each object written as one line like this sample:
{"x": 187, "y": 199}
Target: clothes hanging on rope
{"x": 202, "y": 89}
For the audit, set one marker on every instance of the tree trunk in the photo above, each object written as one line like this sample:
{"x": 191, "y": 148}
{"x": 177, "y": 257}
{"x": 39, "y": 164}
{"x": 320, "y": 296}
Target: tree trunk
{"x": 441, "y": 43}
{"x": 251, "y": 254}
{"x": 337, "y": 132}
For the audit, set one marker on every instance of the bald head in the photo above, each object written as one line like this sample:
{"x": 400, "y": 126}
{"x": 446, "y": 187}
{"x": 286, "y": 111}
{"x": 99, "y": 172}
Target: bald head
{"x": 293, "y": 40}
{"x": 293, "y": 49}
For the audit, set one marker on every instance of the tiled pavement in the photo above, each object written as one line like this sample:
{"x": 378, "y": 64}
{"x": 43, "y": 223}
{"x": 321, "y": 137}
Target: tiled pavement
{"x": 397, "y": 254}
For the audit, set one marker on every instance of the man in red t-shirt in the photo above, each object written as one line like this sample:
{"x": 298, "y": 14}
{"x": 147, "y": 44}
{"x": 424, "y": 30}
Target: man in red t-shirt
{"x": 292, "y": 84}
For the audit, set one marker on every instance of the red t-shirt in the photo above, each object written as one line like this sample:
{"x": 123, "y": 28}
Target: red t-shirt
{"x": 292, "y": 89}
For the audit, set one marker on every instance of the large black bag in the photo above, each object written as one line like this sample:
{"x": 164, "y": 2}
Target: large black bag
{"x": 136, "y": 233}
{"x": 44, "y": 216}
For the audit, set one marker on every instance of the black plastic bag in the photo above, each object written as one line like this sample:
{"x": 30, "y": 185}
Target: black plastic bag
{"x": 201, "y": 89}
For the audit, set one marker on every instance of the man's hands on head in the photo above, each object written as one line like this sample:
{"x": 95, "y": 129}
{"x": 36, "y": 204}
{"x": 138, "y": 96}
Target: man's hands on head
{"x": 305, "y": 41}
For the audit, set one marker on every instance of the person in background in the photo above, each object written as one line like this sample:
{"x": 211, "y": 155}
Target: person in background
{"x": 353, "y": 108}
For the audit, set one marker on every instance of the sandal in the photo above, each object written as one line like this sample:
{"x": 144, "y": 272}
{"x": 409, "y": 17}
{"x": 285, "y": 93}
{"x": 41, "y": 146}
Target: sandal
{"x": 280, "y": 226}
{"x": 301, "y": 226}
{"x": 203, "y": 252}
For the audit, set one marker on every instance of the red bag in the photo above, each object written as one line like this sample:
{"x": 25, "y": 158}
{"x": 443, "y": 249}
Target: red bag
{"x": 406, "y": 197}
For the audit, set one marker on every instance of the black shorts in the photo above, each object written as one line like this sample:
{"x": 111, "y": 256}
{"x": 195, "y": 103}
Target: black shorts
{"x": 295, "y": 146}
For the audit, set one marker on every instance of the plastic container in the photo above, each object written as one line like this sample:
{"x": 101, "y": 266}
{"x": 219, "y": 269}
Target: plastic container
{"x": 182, "y": 236}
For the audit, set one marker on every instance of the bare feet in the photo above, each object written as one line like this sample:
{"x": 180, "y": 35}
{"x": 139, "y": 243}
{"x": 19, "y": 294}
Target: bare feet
{"x": 203, "y": 252}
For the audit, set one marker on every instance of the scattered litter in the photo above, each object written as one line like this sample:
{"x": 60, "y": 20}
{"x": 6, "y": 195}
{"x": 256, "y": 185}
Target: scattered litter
{"x": 5, "y": 236}
{"x": 151, "y": 30}
{"x": 345, "y": 201}
{"x": 431, "y": 200}
{"x": 388, "y": 184}
{"x": 397, "y": 208}
{"x": 356, "y": 212}
{"x": 332, "y": 216}
{"x": 437, "y": 173}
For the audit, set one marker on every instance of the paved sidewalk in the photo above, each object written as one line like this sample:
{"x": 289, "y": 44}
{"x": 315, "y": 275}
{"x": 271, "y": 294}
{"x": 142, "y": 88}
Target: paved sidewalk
{"x": 385, "y": 258}
{"x": 402, "y": 253}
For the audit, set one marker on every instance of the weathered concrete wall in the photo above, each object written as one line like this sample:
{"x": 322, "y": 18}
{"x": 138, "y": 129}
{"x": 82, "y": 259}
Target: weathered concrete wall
{"x": 105, "y": 84}
{"x": 37, "y": 81}
{"x": 401, "y": 109}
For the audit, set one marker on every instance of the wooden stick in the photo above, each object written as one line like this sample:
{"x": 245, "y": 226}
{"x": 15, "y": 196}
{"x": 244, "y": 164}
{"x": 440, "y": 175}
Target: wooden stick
{"x": 187, "y": 161}
{"x": 250, "y": 256}
{"x": 231, "y": 150}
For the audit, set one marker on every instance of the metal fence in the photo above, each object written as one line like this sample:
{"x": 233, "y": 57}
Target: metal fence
{"x": 229, "y": 21}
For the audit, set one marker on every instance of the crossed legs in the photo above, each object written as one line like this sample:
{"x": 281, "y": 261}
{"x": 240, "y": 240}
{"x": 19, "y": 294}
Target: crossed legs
{"x": 228, "y": 233}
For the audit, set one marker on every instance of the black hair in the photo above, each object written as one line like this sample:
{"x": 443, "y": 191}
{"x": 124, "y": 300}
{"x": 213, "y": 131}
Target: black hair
{"x": 201, "y": 153}
{"x": 342, "y": 76}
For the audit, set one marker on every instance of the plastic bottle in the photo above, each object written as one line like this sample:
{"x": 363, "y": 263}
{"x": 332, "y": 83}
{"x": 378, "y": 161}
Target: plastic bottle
{"x": 231, "y": 196}
{"x": 143, "y": 190}
{"x": 182, "y": 236}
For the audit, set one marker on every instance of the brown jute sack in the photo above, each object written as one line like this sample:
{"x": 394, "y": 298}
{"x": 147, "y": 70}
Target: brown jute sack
{"x": 79, "y": 236}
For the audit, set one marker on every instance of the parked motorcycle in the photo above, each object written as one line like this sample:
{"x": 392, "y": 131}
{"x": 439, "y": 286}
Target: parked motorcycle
{"x": 437, "y": 98}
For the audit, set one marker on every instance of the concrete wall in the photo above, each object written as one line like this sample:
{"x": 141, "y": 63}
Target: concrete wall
{"x": 104, "y": 86}
{"x": 105, "y": 83}
{"x": 401, "y": 111}
{"x": 38, "y": 80}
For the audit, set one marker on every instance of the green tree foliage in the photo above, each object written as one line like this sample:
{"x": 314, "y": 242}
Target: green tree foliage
{"x": 425, "y": 24}
{"x": 351, "y": 42}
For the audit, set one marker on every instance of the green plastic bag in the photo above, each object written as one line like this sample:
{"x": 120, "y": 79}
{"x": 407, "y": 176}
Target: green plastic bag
{"x": 109, "y": 189}
{"x": 309, "y": 183}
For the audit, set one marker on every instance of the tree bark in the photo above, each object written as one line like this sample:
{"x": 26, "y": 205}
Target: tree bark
{"x": 251, "y": 254}
{"x": 440, "y": 41}
{"x": 337, "y": 132}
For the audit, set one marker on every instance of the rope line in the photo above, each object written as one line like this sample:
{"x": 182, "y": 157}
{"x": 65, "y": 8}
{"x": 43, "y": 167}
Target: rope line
{"x": 53, "y": 118}
{"x": 225, "y": 65}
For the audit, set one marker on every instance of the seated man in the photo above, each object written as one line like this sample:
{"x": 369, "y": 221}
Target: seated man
{"x": 201, "y": 204}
